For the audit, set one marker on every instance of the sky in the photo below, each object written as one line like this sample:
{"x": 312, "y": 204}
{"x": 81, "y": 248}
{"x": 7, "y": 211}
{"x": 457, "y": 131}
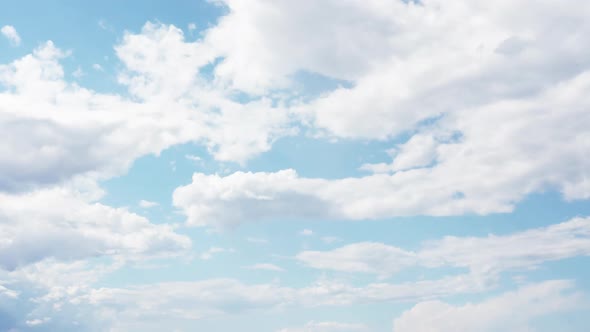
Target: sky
{"x": 295, "y": 166}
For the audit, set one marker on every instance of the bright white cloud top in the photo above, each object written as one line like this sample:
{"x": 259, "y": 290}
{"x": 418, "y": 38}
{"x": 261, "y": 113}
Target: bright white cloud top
{"x": 295, "y": 166}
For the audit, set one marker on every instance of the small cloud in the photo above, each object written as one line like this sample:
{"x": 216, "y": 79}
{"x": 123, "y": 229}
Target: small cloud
{"x": 192, "y": 27}
{"x": 173, "y": 165}
{"x": 37, "y": 321}
{"x": 147, "y": 204}
{"x": 265, "y": 267}
{"x": 330, "y": 239}
{"x": 194, "y": 158}
{"x": 78, "y": 73}
{"x": 104, "y": 25}
{"x": 207, "y": 255}
{"x": 10, "y": 33}
{"x": 257, "y": 240}
{"x": 97, "y": 67}
{"x": 306, "y": 232}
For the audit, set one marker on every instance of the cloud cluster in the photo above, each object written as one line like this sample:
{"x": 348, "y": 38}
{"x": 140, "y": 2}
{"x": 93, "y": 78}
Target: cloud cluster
{"x": 484, "y": 160}
{"x": 60, "y": 225}
{"x": 481, "y": 255}
{"x": 484, "y": 103}
{"x": 512, "y": 311}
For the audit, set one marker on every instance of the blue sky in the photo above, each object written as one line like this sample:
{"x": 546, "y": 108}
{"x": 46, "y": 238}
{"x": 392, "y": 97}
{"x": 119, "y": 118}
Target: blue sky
{"x": 281, "y": 166}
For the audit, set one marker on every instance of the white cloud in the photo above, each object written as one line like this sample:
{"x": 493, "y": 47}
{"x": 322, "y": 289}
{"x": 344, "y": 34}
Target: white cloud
{"x": 162, "y": 67}
{"x": 486, "y": 160}
{"x": 78, "y": 132}
{"x": 314, "y": 326}
{"x": 11, "y": 34}
{"x": 257, "y": 240}
{"x": 78, "y": 73}
{"x": 147, "y": 204}
{"x": 37, "y": 321}
{"x": 209, "y": 253}
{"x": 97, "y": 67}
{"x": 193, "y": 157}
{"x": 481, "y": 255}
{"x": 215, "y": 297}
{"x": 330, "y": 239}
{"x": 337, "y": 45}
{"x": 513, "y": 311}
{"x": 59, "y": 224}
{"x": 306, "y": 232}
{"x": 265, "y": 267}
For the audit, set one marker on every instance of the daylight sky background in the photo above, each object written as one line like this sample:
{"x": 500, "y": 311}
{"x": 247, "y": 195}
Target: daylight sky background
{"x": 295, "y": 166}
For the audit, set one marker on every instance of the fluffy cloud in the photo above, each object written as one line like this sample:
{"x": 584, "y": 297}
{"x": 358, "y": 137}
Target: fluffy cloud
{"x": 442, "y": 58}
{"x": 80, "y": 133}
{"x": 484, "y": 160}
{"x": 513, "y": 311}
{"x": 481, "y": 255}
{"x": 56, "y": 223}
{"x": 75, "y": 131}
{"x": 165, "y": 71}
{"x": 274, "y": 40}
{"x": 11, "y": 34}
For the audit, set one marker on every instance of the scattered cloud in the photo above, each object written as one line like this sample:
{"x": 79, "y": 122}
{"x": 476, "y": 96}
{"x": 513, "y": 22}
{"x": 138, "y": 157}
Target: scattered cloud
{"x": 10, "y": 33}
{"x": 265, "y": 267}
{"x": 481, "y": 255}
{"x": 494, "y": 314}
{"x": 209, "y": 253}
{"x": 147, "y": 204}
{"x": 257, "y": 240}
{"x": 306, "y": 232}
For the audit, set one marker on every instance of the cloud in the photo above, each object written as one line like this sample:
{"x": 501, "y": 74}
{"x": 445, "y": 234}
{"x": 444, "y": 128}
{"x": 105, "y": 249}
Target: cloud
{"x": 257, "y": 240}
{"x": 82, "y": 133}
{"x": 481, "y": 255}
{"x": 494, "y": 314}
{"x": 209, "y": 253}
{"x": 11, "y": 34}
{"x": 37, "y": 321}
{"x": 147, "y": 204}
{"x": 161, "y": 67}
{"x": 216, "y": 297}
{"x": 59, "y": 224}
{"x": 314, "y": 326}
{"x": 265, "y": 267}
{"x": 306, "y": 232}
{"x": 484, "y": 160}
{"x": 336, "y": 46}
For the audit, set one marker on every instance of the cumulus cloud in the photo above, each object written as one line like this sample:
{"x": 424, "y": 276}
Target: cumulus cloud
{"x": 512, "y": 311}
{"x": 56, "y": 223}
{"x": 481, "y": 255}
{"x": 484, "y": 160}
{"x": 78, "y": 132}
{"x": 11, "y": 34}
